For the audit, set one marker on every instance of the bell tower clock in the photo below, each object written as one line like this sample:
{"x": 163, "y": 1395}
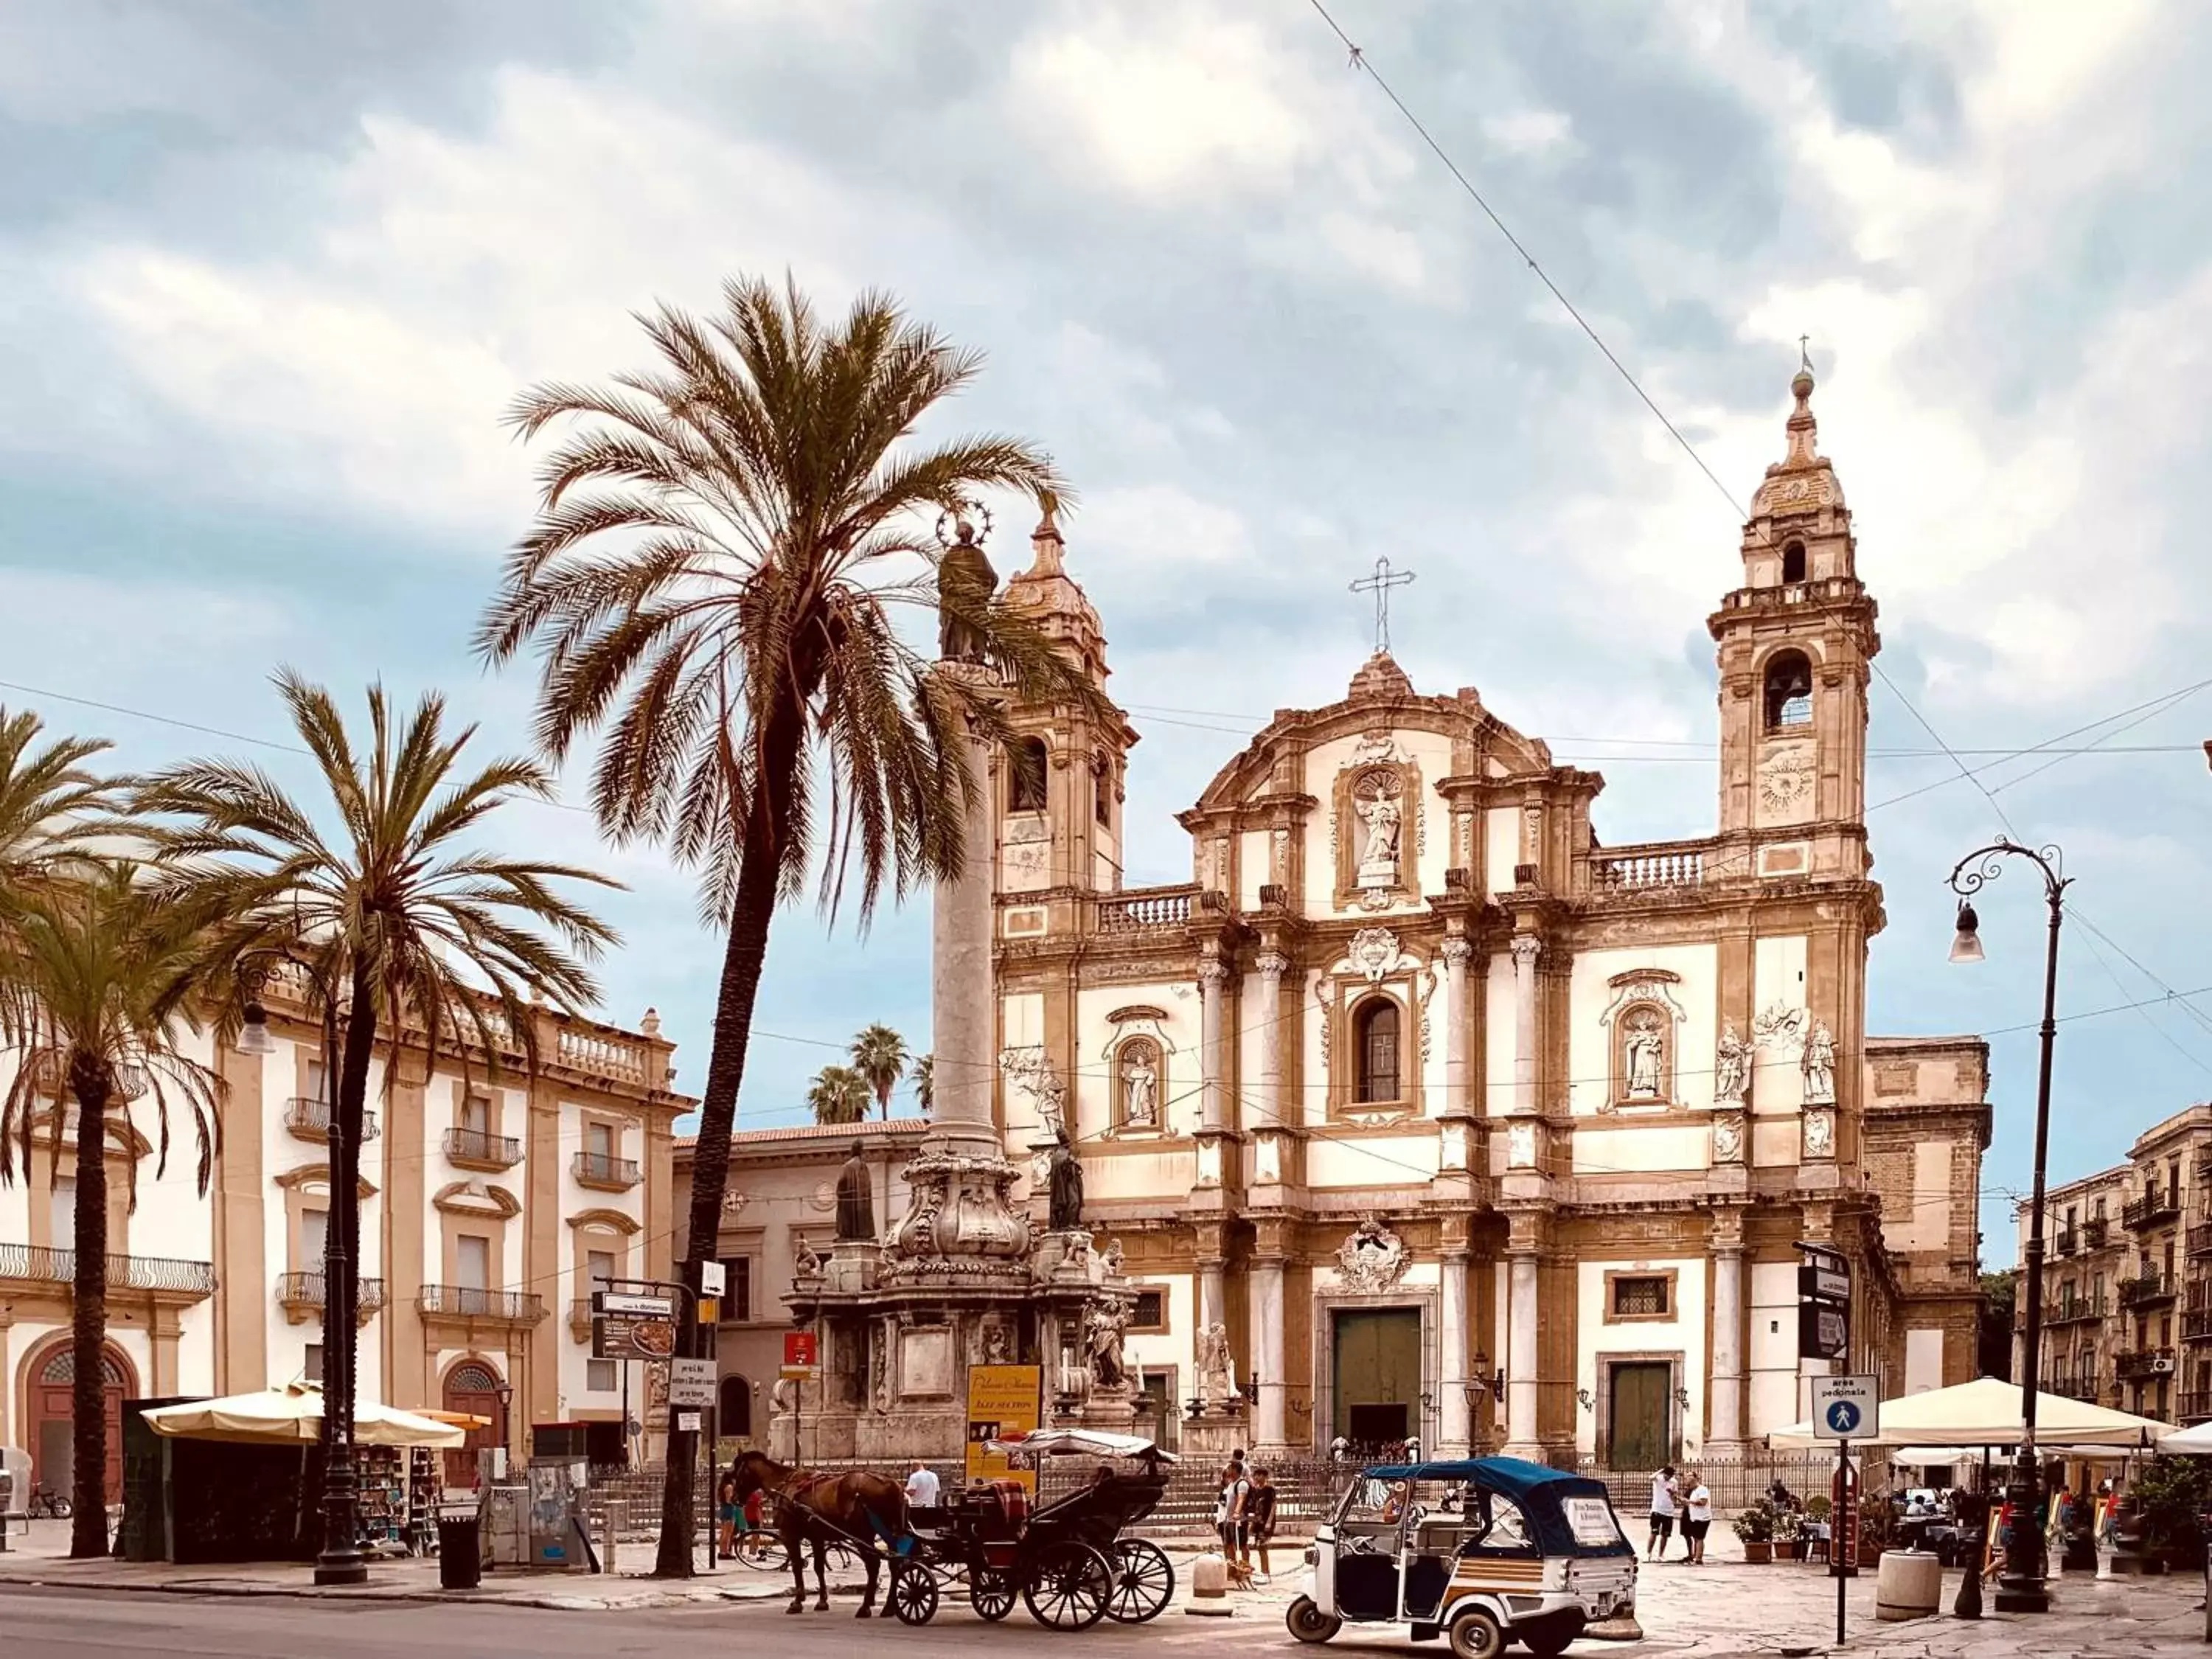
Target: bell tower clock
{"x": 1793, "y": 646}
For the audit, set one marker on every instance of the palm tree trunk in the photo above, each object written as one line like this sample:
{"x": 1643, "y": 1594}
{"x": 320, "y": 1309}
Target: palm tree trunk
{"x": 89, "y": 1083}
{"x": 340, "y": 1561}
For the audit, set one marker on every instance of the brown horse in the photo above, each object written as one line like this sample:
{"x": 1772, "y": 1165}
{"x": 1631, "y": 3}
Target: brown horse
{"x": 819, "y": 1508}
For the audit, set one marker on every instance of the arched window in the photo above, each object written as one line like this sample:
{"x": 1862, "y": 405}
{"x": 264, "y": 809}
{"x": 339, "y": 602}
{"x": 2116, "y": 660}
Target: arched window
{"x": 1789, "y": 699}
{"x": 1025, "y": 762}
{"x": 1793, "y": 562}
{"x": 1102, "y": 793}
{"x": 1374, "y": 1034}
{"x": 734, "y": 1418}
{"x": 60, "y": 1371}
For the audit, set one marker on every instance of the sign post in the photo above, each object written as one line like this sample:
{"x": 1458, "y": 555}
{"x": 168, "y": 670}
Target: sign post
{"x": 1845, "y": 1407}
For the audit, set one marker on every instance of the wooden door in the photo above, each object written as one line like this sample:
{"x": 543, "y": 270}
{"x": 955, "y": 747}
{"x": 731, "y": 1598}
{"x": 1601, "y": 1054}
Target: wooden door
{"x": 1636, "y": 1431}
{"x": 473, "y": 1388}
{"x": 54, "y": 1450}
{"x": 1377, "y": 1374}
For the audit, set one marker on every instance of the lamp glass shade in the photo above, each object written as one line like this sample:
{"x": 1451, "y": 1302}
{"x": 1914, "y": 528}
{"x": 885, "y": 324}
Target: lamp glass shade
{"x": 253, "y": 1037}
{"x": 1966, "y": 943}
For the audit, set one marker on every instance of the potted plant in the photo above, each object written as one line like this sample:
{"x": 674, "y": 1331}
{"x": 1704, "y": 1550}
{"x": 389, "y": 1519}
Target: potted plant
{"x": 1754, "y": 1525}
{"x": 1789, "y": 1534}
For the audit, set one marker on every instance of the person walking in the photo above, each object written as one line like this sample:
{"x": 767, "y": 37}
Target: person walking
{"x": 1665, "y": 1507}
{"x": 1259, "y": 1522}
{"x": 1697, "y": 1518}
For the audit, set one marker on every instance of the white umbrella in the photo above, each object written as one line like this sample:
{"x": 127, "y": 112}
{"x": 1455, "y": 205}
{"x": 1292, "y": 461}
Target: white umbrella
{"x": 1986, "y": 1413}
{"x": 292, "y": 1415}
{"x": 2189, "y": 1442}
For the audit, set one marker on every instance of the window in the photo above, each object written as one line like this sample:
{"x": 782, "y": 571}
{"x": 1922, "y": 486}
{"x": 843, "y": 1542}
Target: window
{"x": 476, "y": 1115}
{"x": 599, "y": 1139}
{"x": 601, "y": 1377}
{"x": 318, "y": 1084}
{"x": 314, "y": 1237}
{"x": 2174, "y": 1184}
{"x": 1789, "y": 701}
{"x": 734, "y": 1402}
{"x": 1025, "y": 765}
{"x": 1375, "y": 1028}
{"x": 1641, "y": 1296}
{"x": 1150, "y": 1311}
{"x": 737, "y": 1289}
{"x": 1793, "y": 562}
{"x": 599, "y": 1269}
{"x": 61, "y": 1213}
{"x": 311, "y": 1368}
{"x": 2097, "y": 1213}
{"x": 472, "y": 1261}
{"x": 2070, "y": 1218}
{"x": 1102, "y": 793}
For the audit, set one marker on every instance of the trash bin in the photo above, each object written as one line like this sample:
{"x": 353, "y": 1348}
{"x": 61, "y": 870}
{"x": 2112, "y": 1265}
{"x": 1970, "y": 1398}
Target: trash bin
{"x": 460, "y": 1550}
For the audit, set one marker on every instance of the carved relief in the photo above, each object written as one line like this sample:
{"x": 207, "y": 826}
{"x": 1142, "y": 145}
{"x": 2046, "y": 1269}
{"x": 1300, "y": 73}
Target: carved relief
{"x": 1372, "y": 1260}
{"x": 1728, "y": 1137}
{"x": 1819, "y": 1132}
{"x": 1780, "y": 1027}
{"x": 1436, "y": 977}
{"x": 1374, "y": 952}
{"x": 1820, "y": 1063}
{"x": 1521, "y": 1146}
{"x": 1785, "y": 784}
{"x": 1034, "y": 1081}
{"x": 1028, "y": 852}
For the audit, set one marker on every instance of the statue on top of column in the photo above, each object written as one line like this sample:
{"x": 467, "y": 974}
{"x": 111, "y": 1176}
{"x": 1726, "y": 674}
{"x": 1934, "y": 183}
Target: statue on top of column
{"x": 1064, "y": 1177}
{"x": 856, "y": 1198}
{"x": 965, "y": 583}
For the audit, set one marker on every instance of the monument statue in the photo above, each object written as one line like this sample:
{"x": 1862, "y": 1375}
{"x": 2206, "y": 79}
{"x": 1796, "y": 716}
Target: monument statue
{"x": 1108, "y": 1363}
{"x": 1821, "y": 1066}
{"x": 1064, "y": 1182}
{"x": 1217, "y": 1372}
{"x": 965, "y": 583}
{"x": 856, "y": 1198}
{"x": 1731, "y": 1066}
{"x": 1644, "y": 1050}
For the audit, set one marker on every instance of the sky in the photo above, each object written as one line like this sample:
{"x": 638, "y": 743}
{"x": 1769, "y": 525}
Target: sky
{"x": 270, "y": 274}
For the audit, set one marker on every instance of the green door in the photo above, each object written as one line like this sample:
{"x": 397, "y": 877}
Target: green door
{"x": 1377, "y": 1375}
{"x": 1637, "y": 1435}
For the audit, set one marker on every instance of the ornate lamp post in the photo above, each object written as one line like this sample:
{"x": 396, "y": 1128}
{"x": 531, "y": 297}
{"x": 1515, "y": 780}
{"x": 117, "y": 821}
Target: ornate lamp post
{"x": 2020, "y": 1586}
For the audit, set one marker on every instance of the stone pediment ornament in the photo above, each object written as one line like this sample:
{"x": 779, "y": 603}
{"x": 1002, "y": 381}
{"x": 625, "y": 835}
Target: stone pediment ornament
{"x": 1374, "y": 952}
{"x": 1372, "y": 1260}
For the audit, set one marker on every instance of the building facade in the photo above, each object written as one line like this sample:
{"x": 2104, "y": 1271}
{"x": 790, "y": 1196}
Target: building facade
{"x": 1457, "y": 1123}
{"x": 2127, "y": 1278}
{"x": 490, "y": 1203}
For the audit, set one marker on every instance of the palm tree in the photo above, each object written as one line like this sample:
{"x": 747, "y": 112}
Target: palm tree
{"x": 48, "y": 800}
{"x": 838, "y": 1095}
{"x": 98, "y": 978}
{"x": 879, "y": 1056}
{"x": 925, "y": 1082}
{"x": 710, "y": 583}
{"x": 389, "y": 922}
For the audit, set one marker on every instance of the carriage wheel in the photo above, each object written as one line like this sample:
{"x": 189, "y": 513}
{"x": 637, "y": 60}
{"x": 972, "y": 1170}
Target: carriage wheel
{"x": 913, "y": 1594}
{"x": 1144, "y": 1582}
{"x": 991, "y": 1593}
{"x": 762, "y": 1551}
{"x": 1068, "y": 1587}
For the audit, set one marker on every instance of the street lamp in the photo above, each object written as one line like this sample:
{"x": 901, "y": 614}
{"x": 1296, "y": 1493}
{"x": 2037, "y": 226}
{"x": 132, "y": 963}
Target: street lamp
{"x": 2021, "y": 1587}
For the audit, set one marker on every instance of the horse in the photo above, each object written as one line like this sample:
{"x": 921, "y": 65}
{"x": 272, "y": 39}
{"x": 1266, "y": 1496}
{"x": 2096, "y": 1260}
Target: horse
{"x": 820, "y": 1507}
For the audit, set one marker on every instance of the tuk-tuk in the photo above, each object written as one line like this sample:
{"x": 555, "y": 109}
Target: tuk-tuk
{"x": 1486, "y": 1551}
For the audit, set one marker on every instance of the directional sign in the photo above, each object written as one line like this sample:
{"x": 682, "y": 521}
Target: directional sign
{"x": 1846, "y": 1409}
{"x": 712, "y": 1278}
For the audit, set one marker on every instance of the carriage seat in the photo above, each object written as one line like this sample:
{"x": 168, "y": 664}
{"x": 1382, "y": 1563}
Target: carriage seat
{"x": 1001, "y": 1508}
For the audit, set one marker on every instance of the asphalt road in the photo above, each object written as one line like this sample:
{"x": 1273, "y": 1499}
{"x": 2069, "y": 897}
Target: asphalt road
{"x": 76, "y": 1625}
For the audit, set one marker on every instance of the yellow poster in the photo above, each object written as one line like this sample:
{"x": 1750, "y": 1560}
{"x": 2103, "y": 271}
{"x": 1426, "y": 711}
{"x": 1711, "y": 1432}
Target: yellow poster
{"x": 1002, "y": 1400}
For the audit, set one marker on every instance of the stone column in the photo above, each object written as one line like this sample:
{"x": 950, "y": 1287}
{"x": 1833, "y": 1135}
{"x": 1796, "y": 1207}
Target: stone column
{"x": 1452, "y": 1378}
{"x": 1213, "y": 977}
{"x": 1269, "y": 1359}
{"x": 1724, "y": 1434}
{"x": 1527, "y": 947}
{"x": 1520, "y": 1331}
{"x": 1272, "y": 965}
{"x": 963, "y": 1021}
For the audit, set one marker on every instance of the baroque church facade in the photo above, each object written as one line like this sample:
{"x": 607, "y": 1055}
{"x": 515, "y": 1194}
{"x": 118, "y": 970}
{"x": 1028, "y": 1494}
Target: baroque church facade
{"x": 1441, "y": 1118}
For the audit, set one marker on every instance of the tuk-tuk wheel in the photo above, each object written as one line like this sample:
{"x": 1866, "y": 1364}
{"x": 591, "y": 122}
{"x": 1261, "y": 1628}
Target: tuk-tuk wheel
{"x": 1309, "y": 1623}
{"x": 1476, "y": 1634}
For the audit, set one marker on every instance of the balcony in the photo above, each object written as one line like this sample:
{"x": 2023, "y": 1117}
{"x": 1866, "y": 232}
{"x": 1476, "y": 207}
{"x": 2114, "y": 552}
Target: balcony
{"x": 473, "y": 1149}
{"x": 2197, "y": 1325}
{"x": 2139, "y": 1363}
{"x": 2074, "y": 1310}
{"x": 1137, "y": 910}
{"x": 24, "y": 1268}
{"x": 2195, "y": 1405}
{"x": 2147, "y": 1289}
{"x": 486, "y": 1307}
{"x": 2153, "y": 1209}
{"x": 2199, "y": 1238}
{"x": 2066, "y": 1241}
{"x": 606, "y": 1173}
{"x": 2092, "y": 1233}
{"x": 1639, "y": 869}
{"x": 310, "y": 1120}
{"x": 2077, "y": 1387}
{"x": 304, "y": 1295}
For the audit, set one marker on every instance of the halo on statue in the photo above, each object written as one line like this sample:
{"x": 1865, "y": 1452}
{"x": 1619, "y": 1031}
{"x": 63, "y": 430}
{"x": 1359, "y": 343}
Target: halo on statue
{"x": 956, "y": 526}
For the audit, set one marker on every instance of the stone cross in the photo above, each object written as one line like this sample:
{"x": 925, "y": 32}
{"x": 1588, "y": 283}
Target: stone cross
{"x": 1380, "y": 585}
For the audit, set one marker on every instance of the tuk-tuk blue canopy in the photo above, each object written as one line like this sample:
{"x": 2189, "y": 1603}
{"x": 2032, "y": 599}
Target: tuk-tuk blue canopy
{"x": 1542, "y": 1494}
{"x": 1515, "y": 1477}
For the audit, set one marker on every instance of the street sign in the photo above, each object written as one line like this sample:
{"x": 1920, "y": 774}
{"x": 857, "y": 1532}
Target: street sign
{"x": 633, "y": 1305}
{"x": 691, "y": 1382}
{"x": 626, "y": 1326}
{"x": 712, "y": 1278}
{"x": 801, "y": 1357}
{"x": 687, "y": 1422}
{"x": 1846, "y": 1409}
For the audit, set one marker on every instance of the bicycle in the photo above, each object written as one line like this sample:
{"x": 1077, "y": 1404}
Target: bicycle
{"x": 45, "y": 1503}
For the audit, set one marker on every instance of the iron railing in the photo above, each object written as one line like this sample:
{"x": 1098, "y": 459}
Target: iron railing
{"x": 124, "y": 1272}
{"x": 2145, "y": 1289}
{"x": 2092, "y": 1233}
{"x": 2068, "y": 1240}
{"x": 604, "y": 1170}
{"x": 2144, "y": 1362}
{"x": 2153, "y": 1209}
{"x": 2195, "y": 1402}
{"x": 2074, "y": 1309}
{"x": 465, "y": 1302}
{"x": 311, "y": 1291}
{"x": 304, "y": 1116}
{"x": 477, "y": 1147}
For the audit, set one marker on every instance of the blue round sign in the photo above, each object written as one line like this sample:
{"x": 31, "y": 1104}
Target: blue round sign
{"x": 1842, "y": 1416}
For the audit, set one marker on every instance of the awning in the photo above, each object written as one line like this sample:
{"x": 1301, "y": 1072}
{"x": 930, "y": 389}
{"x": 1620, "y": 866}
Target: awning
{"x": 1079, "y": 1443}
{"x": 1969, "y": 1416}
{"x": 292, "y": 1415}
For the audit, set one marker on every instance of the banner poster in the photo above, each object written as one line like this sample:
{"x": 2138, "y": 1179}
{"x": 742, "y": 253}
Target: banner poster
{"x": 1002, "y": 1400}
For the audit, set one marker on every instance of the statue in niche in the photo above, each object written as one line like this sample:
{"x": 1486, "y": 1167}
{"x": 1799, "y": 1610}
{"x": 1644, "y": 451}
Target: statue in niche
{"x": 965, "y": 583}
{"x": 856, "y": 1198}
{"x": 998, "y": 1345}
{"x": 1642, "y": 1050}
{"x": 1107, "y": 1322}
{"x": 1064, "y": 1179}
{"x": 1731, "y": 1066}
{"x": 1375, "y": 799}
{"x": 1821, "y": 1066}
{"x": 1140, "y": 1087}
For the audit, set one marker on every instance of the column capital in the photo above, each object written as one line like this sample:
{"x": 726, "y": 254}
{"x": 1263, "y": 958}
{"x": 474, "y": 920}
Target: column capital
{"x": 1457, "y": 948}
{"x": 1272, "y": 964}
{"x": 1212, "y": 971}
{"x": 1726, "y": 1234}
{"x": 1526, "y": 948}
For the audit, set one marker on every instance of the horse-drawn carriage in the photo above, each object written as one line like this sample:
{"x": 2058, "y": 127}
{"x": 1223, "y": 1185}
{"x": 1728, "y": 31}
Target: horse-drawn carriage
{"x": 1066, "y": 1560}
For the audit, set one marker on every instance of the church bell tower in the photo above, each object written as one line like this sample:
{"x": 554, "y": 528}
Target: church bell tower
{"x": 1795, "y": 643}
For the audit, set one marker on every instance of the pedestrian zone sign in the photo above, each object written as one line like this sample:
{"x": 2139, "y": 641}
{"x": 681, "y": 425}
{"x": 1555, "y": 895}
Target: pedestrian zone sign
{"x": 1846, "y": 1409}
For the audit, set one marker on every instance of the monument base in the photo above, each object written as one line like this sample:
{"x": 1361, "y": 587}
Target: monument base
{"x": 1217, "y": 1428}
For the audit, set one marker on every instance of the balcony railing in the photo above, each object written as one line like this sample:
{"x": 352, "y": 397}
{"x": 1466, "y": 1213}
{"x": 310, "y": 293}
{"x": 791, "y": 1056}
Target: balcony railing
{"x": 1147, "y": 908}
{"x": 2200, "y": 1238}
{"x": 2077, "y": 1387}
{"x": 310, "y": 1120}
{"x": 2145, "y": 1362}
{"x": 39, "y": 1266}
{"x": 2197, "y": 1325}
{"x": 486, "y": 1151}
{"x": 2074, "y": 1310}
{"x": 462, "y": 1302}
{"x": 300, "y": 1292}
{"x": 600, "y": 1169}
{"x": 2146, "y": 1289}
{"x": 604, "y": 1056}
{"x": 2151, "y": 1210}
{"x": 2092, "y": 1234}
{"x": 2195, "y": 1402}
{"x": 1636, "y": 869}
{"x": 2068, "y": 1240}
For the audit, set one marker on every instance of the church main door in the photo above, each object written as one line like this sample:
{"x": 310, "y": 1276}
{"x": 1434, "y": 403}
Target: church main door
{"x": 1636, "y": 1431}
{"x": 1377, "y": 1375}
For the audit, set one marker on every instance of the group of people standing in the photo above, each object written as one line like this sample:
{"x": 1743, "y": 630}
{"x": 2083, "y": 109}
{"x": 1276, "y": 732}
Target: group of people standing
{"x": 1244, "y": 1516}
{"x": 1680, "y": 1499}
